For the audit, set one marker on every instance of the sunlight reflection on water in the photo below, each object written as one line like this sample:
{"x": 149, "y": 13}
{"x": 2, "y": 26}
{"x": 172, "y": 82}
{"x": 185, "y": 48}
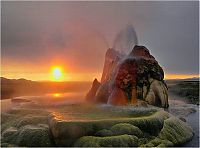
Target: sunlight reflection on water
{"x": 50, "y": 99}
{"x": 66, "y": 95}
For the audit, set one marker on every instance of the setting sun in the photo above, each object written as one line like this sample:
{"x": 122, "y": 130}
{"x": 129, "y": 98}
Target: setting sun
{"x": 57, "y": 74}
{"x": 56, "y": 95}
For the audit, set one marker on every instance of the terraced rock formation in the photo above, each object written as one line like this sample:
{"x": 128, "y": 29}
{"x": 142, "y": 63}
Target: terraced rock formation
{"x": 119, "y": 127}
{"x": 92, "y": 125}
{"x": 127, "y": 78}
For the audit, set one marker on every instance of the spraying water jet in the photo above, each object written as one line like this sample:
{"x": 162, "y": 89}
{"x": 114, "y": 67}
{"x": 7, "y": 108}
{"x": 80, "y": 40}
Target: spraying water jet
{"x": 130, "y": 75}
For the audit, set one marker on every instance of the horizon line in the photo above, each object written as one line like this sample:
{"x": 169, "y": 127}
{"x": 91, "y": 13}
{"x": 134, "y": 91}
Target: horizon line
{"x": 88, "y": 80}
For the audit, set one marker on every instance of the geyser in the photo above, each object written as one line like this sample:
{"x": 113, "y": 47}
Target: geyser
{"x": 129, "y": 76}
{"x": 125, "y": 40}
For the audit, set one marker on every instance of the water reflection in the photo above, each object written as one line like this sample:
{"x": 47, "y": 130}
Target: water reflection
{"x": 50, "y": 99}
{"x": 64, "y": 95}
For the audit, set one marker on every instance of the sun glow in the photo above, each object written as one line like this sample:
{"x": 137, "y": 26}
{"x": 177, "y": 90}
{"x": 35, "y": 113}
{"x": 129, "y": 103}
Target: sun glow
{"x": 56, "y": 95}
{"x": 180, "y": 76}
{"x": 57, "y": 74}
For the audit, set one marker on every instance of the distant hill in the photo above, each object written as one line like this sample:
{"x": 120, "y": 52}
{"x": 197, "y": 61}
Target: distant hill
{"x": 191, "y": 79}
{"x": 6, "y": 80}
{"x": 18, "y": 87}
{"x": 187, "y": 79}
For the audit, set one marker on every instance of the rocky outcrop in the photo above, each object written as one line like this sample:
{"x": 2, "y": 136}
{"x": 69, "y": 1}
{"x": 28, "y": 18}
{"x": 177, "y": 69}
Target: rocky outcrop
{"x": 127, "y": 78}
{"x": 103, "y": 93}
{"x": 111, "y": 59}
{"x": 141, "y": 51}
{"x": 91, "y": 94}
{"x": 117, "y": 97}
{"x": 157, "y": 94}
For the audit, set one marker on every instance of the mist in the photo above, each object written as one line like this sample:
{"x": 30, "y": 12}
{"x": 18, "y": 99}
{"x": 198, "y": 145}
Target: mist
{"x": 125, "y": 40}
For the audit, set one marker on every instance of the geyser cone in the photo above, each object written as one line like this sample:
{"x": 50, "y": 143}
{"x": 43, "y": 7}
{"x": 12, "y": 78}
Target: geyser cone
{"x": 127, "y": 79}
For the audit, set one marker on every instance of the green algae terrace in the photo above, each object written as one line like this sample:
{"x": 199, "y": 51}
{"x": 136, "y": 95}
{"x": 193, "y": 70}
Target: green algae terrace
{"x": 92, "y": 125}
{"x": 95, "y": 112}
{"x": 158, "y": 128}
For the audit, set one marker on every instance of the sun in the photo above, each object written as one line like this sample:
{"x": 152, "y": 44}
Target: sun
{"x": 57, "y": 74}
{"x": 56, "y": 95}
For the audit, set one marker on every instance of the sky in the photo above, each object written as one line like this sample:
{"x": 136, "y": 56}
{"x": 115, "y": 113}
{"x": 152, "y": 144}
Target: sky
{"x": 36, "y": 36}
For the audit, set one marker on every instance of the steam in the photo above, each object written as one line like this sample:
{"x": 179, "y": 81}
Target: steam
{"x": 125, "y": 40}
{"x": 103, "y": 38}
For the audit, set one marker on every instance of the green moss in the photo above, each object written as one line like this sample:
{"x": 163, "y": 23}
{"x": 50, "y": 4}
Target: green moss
{"x": 112, "y": 141}
{"x": 143, "y": 141}
{"x": 161, "y": 145}
{"x": 26, "y": 111}
{"x": 166, "y": 143}
{"x": 9, "y": 135}
{"x": 20, "y": 117}
{"x": 104, "y": 133}
{"x": 120, "y": 129}
{"x": 34, "y": 136}
{"x": 176, "y": 131}
{"x": 147, "y": 145}
{"x": 22, "y": 121}
{"x": 28, "y": 136}
{"x": 5, "y": 117}
{"x": 23, "y": 127}
{"x": 125, "y": 128}
{"x": 8, "y": 124}
{"x": 158, "y": 142}
{"x": 7, "y": 121}
{"x": 30, "y": 120}
{"x": 87, "y": 141}
{"x": 150, "y": 124}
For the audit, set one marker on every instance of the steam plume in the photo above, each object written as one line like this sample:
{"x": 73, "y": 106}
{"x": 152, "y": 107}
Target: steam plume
{"x": 125, "y": 40}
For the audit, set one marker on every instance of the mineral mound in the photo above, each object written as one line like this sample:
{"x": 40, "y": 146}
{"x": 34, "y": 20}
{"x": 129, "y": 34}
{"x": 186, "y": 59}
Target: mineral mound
{"x": 129, "y": 78}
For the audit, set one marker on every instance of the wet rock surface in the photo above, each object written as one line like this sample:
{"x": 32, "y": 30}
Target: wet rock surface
{"x": 93, "y": 125}
{"x": 156, "y": 129}
{"x": 128, "y": 78}
{"x": 91, "y": 94}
